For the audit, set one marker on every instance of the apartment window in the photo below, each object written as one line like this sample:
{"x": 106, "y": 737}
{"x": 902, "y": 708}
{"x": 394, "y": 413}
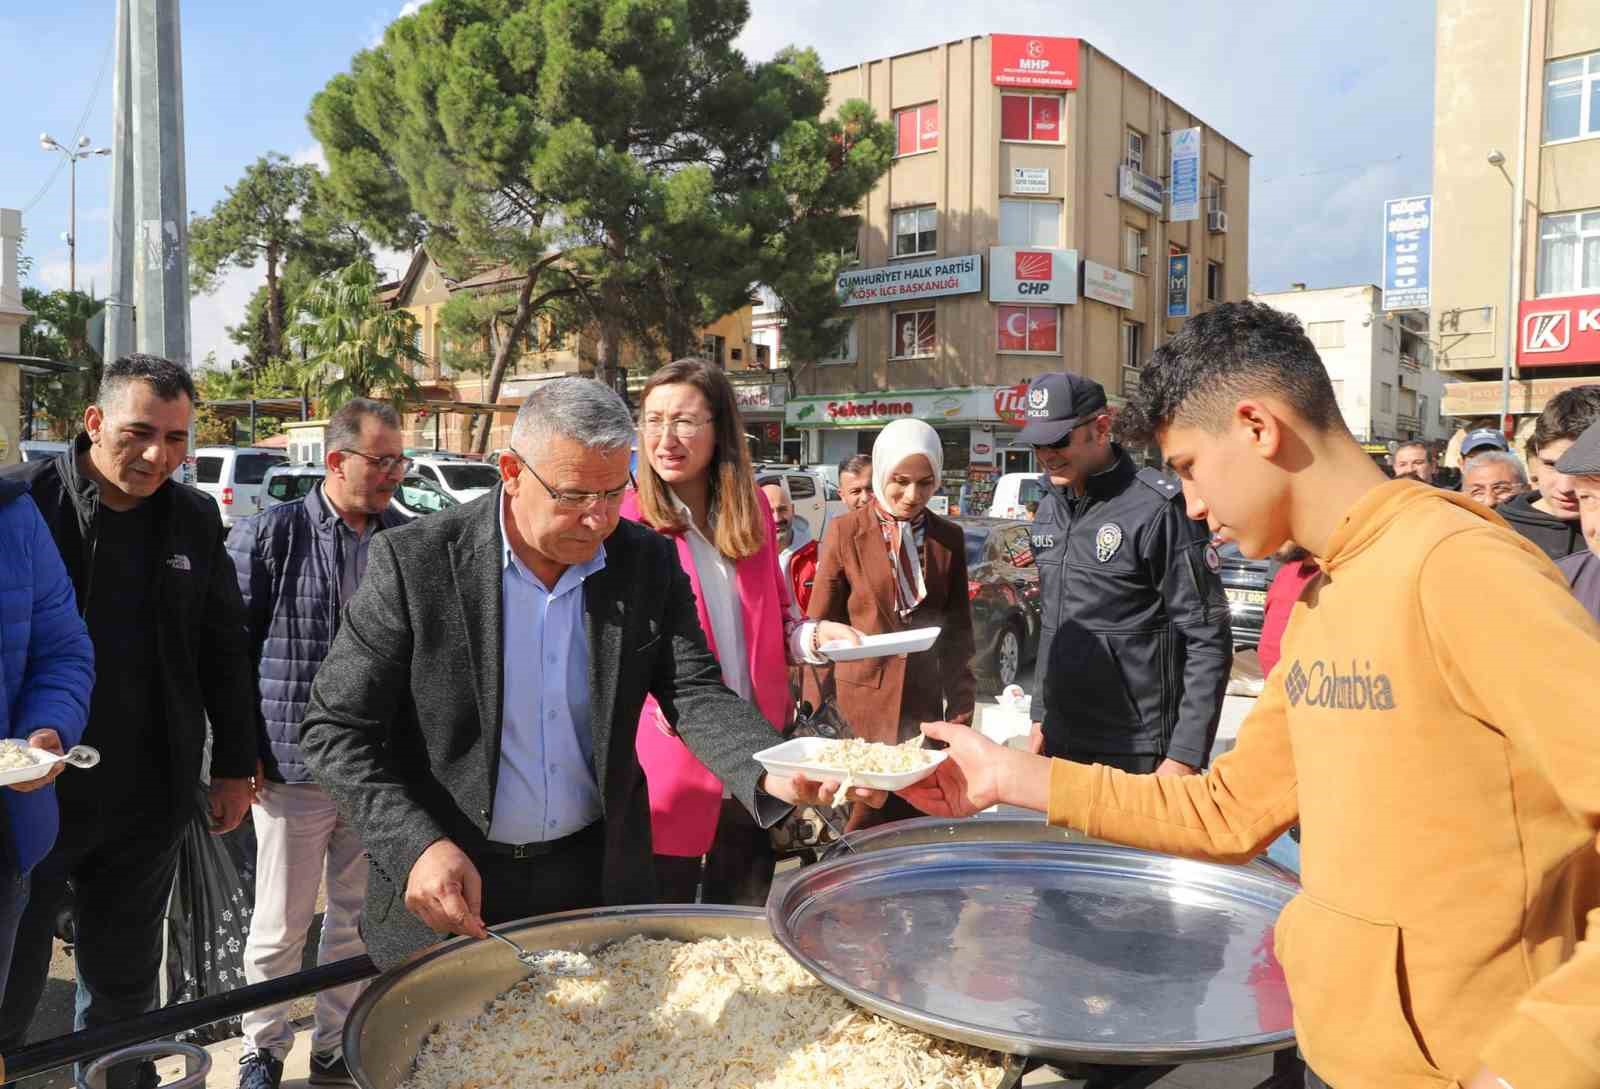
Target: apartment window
{"x": 847, "y": 350}
{"x": 1569, "y": 253}
{"x": 913, "y": 334}
{"x": 1214, "y": 188}
{"x": 1133, "y": 248}
{"x": 917, "y": 129}
{"x": 1572, "y": 98}
{"x": 1132, "y": 344}
{"x": 1422, "y": 409}
{"x": 1030, "y": 222}
{"x": 1385, "y": 397}
{"x": 1326, "y": 334}
{"x": 1135, "y": 155}
{"x": 1033, "y": 329}
{"x": 1213, "y": 281}
{"x": 916, "y": 231}
{"x": 1032, "y": 118}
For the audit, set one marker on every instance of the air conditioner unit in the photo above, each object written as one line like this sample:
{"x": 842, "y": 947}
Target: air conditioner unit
{"x": 1217, "y": 222}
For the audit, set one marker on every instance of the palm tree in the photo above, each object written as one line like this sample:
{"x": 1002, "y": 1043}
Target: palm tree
{"x": 354, "y": 345}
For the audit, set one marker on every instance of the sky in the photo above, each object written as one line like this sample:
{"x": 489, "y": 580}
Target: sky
{"x": 1332, "y": 98}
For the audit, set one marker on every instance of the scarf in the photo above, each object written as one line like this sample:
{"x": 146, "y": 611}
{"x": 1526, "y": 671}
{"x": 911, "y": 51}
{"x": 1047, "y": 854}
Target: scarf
{"x": 901, "y": 440}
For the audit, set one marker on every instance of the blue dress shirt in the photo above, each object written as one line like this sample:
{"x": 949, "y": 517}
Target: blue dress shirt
{"x": 545, "y": 785}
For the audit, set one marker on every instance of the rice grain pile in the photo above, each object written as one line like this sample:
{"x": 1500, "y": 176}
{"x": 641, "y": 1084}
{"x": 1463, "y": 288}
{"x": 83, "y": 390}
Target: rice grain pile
{"x": 15, "y": 755}
{"x": 729, "y": 1013}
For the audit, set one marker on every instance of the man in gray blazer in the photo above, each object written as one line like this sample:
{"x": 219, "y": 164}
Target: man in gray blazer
{"x": 475, "y": 717}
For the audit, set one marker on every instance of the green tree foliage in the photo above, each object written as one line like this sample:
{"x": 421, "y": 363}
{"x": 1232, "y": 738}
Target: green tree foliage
{"x": 354, "y": 345}
{"x": 59, "y": 329}
{"x": 239, "y": 383}
{"x": 274, "y": 214}
{"x": 621, "y": 153}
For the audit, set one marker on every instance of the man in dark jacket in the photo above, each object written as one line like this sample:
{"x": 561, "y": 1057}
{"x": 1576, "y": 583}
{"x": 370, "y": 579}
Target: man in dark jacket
{"x": 299, "y": 563}
{"x": 1549, "y": 516}
{"x": 1582, "y": 462}
{"x": 1135, "y": 647}
{"x": 158, "y": 593}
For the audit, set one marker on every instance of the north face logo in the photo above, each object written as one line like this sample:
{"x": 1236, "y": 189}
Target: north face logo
{"x": 1324, "y": 686}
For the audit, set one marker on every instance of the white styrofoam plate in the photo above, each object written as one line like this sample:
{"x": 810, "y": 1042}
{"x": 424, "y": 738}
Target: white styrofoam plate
{"x": 797, "y": 757}
{"x": 883, "y": 646}
{"x": 79, "y": 756}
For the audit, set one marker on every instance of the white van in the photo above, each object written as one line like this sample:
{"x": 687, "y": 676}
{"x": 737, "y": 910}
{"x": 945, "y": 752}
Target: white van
{"x": 40, "y": 449}
{"x": 1016, "y": 495}
{"x": 813, "y": 497}
{"x": 457, "y": 476}
{"x": 232, "y": 476}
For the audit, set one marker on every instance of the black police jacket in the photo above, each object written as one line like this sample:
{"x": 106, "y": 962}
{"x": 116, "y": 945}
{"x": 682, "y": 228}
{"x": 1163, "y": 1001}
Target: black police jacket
{"x": 1135, "y": 649}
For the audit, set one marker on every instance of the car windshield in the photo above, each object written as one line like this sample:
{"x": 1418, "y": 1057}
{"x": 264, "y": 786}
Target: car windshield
{"x": 462, "y": 477}
{"x": 420, "y": 497}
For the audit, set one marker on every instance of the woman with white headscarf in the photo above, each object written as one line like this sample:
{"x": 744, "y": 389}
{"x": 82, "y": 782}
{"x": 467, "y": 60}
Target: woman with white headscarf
{"x": 894, "y": 565}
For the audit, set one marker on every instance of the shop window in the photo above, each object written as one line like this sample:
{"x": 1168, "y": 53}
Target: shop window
{"x": 1030, "y": 222}
{"x": 1134, "y": 248}
{"x": 916, "y": 231}
{"x": 1214, "y": 281}
{"x": 1032, "y": 118}
{"x": 1135, "y": 153}
{"x": 1326, "y": 334}
{"x": 1569, "y": 253}
{"x": 1572, "y": 98}
{"x": 913, "y": 334}
{"x": 917, "y": 129}
{"x": 1033, "y": 329}
{"x": 847, "y": 350}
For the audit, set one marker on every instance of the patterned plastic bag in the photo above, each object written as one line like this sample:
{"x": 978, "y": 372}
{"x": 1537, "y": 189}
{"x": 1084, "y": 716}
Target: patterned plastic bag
{"x": 208, "y": 918}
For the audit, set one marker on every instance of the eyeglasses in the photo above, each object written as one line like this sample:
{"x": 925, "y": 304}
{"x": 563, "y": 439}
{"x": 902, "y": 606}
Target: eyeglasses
{"x": 1065, "y": 440}
{"x": 683, "y": 428}
{"x": 1498, "y": 491}
{"x": 386, "y": 464}
{"x": 583, "y": 501}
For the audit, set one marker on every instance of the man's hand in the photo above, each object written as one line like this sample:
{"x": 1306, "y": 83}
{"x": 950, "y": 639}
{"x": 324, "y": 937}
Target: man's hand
{"x": 967, "y": 781}
{"x": 230, "y": 801}
{"x": 446, "y": 892}
{"x": 798, "y": 790}
{"x": 1036, "y": 739}
{"x": 831, "y": 631}
{"x": 1486, "y": 1079}
{"x": 1170, "y": 766}
{"x": 50, "y": 741}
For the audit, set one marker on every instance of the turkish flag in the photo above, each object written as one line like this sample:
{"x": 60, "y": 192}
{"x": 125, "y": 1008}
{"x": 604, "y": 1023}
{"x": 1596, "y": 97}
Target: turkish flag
{"x": 1011, "y": 328}
{"x": 1042, "y": 322}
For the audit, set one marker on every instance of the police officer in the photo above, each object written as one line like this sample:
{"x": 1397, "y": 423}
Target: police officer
{"x": 1135, "y": 650}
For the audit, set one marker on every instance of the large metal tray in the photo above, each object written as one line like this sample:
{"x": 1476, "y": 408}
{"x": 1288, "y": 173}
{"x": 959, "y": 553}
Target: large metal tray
{"x": 458, "y": 979}
{"x": 1073, "y": 951}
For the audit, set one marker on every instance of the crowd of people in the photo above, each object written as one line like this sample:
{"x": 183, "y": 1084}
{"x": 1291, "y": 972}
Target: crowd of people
{"x": 550, "y": 698}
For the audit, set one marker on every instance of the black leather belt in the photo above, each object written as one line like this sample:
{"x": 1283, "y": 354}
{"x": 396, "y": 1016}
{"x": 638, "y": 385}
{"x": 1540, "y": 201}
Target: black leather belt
{"x": 519, "y": 851}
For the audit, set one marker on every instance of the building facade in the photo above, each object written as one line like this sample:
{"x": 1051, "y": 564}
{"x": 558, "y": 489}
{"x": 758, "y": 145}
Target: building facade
{"x": 1516, "y": 131}
{"x": 1024, "y": 226}
{"x": 1381, "y": 363}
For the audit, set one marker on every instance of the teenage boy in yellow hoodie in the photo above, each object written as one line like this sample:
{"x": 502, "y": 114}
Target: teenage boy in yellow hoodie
{"x": 1446, "y": 779}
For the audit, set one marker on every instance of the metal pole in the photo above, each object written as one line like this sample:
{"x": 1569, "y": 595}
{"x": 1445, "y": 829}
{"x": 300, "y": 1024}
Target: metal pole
{"x": 119, "y": 299}
{"x": 1514, "y": 292}
{"x": 72, "y": 220}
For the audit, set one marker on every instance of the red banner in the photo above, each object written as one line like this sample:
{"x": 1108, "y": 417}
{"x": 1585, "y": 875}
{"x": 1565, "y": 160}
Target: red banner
{"x": 1017, "y": 60}
{"x": 1558, "y": 332}
{"x": 1011, "y": 403}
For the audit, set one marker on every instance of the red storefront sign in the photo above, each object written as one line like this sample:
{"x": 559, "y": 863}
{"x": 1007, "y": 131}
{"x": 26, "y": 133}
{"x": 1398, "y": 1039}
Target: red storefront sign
{"x": 1011, "y": 403}
{"x": 1558, "y": 332}
{"x": 1018, "y": 60}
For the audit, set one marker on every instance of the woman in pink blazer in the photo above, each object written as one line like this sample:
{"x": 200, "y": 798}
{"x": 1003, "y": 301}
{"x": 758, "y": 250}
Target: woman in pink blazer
{"x": 696, "y": 485}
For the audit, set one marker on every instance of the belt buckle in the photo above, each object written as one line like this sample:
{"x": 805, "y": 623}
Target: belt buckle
{"x": 520, "y": 852}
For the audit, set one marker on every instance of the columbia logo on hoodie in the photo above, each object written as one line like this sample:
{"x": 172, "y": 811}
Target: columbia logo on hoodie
{"x": 1323, "y": 685}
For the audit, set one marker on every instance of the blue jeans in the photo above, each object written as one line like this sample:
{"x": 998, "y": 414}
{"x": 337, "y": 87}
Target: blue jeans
{"x": 13, "y": 899}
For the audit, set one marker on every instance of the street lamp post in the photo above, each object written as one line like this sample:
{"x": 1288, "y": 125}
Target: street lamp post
{"x": 82, "y": 151}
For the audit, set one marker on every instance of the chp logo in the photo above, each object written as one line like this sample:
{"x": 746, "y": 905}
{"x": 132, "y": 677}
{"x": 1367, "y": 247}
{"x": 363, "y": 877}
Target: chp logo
{"x": 1034, "y": 271}
{"x": 1547, "y": 332}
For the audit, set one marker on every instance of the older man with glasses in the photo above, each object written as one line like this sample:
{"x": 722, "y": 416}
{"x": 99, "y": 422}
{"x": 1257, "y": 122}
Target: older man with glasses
{"x": 476, "y": 716}
{"x": 1135, "y": 647}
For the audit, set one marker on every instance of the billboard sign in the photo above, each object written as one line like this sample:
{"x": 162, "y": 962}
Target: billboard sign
{"x": 1559, "y": 332}
{"x": 910, "y": 280}
{"x": 1022, "y": 60}
{"x": 1033, "y": 274}
{"x": 1178, "y": 285}
{"x": 1107, "y": 285}
{"x": 1140, "y": 189}
{"x": 1407, "y": 231}
{"x": 1185, "y": 174}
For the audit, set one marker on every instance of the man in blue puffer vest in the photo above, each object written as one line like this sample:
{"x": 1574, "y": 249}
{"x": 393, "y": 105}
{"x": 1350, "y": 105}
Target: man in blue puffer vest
{"x": 46, "y": 674}
{"x": 298, "y": 565}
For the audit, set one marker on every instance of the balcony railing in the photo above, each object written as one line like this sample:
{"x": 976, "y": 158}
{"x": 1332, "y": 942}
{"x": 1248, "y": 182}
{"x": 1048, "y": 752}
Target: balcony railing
{"x": 1407, "y": 423}
{"x": 1409, "y": 363}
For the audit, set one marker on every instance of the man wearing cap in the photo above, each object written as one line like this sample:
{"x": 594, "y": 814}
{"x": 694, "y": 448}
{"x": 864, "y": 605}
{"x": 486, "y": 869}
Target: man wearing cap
{"x": 1135, "y": 648}
{"x": 1582, "y": 463}
{"x": 1479, "y": 440}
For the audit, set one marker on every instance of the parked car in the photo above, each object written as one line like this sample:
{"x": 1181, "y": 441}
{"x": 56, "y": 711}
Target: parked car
{"x": 1245, "y": 581}
{"x": 814, "y": 498}
{"x": 414, "y": 498}
{"x": 1003, "y": 588}
{"x": 1016, "y": 495}
{"x": 40, "y": 449}
{"x": 232, "y": 476}
{"x": 457, "y": 476}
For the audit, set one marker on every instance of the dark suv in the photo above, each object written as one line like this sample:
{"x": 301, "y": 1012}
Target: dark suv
{"x": 1245, "y": 581}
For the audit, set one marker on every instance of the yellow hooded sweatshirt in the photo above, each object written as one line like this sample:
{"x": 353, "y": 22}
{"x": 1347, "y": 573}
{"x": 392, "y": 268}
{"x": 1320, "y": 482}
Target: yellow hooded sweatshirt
{"x": 1434, "y": 725}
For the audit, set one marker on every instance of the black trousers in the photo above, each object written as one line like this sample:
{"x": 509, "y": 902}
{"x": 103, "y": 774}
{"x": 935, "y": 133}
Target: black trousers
{"x": 564, "y": 879}
{"x": 121, "y": 878}
{"x": 738, "y": 868}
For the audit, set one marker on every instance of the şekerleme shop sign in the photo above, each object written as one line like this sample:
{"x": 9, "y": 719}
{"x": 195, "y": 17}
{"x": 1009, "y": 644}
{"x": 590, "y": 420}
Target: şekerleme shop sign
{"x": 907, "y": 281}
{"x": 936, "y": 407}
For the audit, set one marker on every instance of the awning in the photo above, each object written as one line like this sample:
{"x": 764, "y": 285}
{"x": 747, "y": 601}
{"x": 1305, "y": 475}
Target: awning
{"x": 38, "y": 366}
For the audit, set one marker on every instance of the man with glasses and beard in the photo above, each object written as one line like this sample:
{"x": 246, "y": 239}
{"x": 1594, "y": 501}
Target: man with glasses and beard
{"x": 1135, "y": 647}
{"x": 477, "y": 715}
{"x": 298, "y": 565}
